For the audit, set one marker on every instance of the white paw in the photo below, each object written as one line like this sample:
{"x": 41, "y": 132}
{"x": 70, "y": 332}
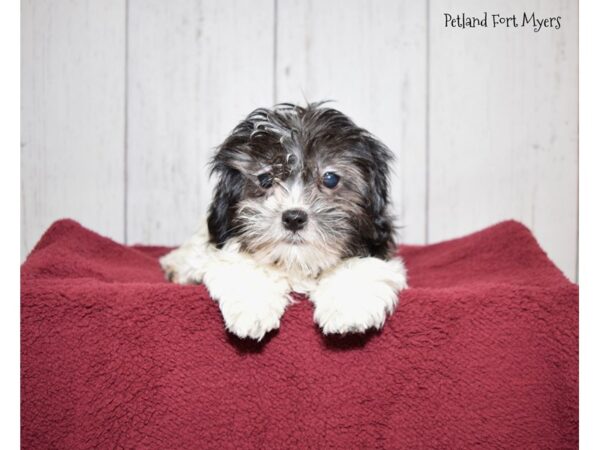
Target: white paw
{"x": 182, "y": 266}
{"x": 188, "y": 263}
{"x": 358, "y": 295}
{"x": 252, "y": 319}
{"x": 252, "y": 299}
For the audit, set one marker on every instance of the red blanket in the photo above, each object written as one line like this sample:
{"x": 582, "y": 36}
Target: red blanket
{"x": 481, "y": 352}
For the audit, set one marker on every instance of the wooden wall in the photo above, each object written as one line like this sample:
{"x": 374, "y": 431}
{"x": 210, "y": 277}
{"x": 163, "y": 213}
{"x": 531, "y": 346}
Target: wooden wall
{"x": 123, "y": 102}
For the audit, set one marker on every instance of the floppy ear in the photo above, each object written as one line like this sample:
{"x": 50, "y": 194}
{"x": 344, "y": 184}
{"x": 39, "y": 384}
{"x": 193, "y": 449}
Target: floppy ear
{"x": 231, "y": 157}
{"x": 227, "y": 194}
{"x": 380, "y": 238}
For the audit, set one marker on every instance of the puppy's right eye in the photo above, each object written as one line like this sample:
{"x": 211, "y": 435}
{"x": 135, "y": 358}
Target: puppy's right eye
{"x": 265, "y": 180}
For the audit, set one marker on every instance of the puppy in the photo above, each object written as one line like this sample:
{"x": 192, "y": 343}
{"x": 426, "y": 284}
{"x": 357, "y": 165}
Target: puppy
{"x": 301, "y": 204}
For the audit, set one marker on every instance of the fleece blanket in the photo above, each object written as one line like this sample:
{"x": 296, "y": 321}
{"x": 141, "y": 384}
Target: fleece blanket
{"x": 482, "y": 352}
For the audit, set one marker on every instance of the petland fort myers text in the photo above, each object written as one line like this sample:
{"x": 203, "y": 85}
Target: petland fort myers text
{"x": 491, "y": 20}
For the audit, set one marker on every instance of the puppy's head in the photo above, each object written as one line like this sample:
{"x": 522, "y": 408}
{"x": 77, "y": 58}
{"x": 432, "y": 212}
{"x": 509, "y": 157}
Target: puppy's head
{"x": 302, "y": 188}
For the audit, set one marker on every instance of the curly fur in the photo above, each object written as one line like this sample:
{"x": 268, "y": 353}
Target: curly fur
{"x": 275, "y": 161}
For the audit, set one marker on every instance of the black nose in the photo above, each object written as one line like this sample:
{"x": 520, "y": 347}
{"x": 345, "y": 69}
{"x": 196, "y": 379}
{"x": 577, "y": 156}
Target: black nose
{"x": 294, "y": 219}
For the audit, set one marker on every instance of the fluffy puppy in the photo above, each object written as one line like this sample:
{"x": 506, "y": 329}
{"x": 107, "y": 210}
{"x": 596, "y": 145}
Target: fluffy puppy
{"x": 301, "y": 204}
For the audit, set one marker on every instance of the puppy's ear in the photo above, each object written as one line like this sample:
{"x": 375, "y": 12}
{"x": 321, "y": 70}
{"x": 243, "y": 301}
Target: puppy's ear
{"x": 228, "y": 164}
{"x": 227, "y": 194}
{"x": 380, "y": 237}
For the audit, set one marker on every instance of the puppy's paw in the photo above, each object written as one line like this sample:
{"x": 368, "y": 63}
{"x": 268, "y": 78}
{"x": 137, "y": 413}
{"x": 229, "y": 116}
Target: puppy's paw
{"x": 252, "y": 319}
{"x": 168, "y": 264}
{"x": 252, "y": 299}
{"x": 188, "y": 263}
{"x": 358, "y": 295}
{"x": 182, "y": 266}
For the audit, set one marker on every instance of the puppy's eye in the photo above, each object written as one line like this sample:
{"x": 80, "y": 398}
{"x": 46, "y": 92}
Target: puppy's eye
{"x": 330, "y": 179}
{"x": 265, "y": 180}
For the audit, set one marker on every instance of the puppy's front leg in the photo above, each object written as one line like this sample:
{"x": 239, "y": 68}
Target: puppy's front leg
{"x": 252, "y": 298}
{"x": 358, "y": 294}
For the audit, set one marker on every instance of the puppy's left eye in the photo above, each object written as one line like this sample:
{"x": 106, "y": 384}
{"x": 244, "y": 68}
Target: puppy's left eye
{"x": 330, "y": 179}
{"x": 265, "y": 180}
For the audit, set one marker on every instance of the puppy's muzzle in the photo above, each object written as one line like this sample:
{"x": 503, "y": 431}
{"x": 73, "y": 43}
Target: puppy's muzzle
{"x": 294, "y": 219}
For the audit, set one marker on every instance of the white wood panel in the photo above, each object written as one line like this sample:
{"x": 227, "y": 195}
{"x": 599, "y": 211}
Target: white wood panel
{"x": 369, "y": 56}
{"x": 72, "y": 115}
{"x": 502, "y": 108}
{"x": 195, "y": 70}
{"x": 503, "y": 128}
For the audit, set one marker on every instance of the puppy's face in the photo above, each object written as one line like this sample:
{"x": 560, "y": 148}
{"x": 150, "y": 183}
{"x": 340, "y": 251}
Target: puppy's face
{"x": 302, "y": 188}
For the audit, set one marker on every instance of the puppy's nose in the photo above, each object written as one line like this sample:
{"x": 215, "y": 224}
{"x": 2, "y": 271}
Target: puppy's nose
{"x": 294, "y": 219}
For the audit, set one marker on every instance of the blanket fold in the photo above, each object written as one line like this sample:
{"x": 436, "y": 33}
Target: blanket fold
{"x": 482, "y": 352}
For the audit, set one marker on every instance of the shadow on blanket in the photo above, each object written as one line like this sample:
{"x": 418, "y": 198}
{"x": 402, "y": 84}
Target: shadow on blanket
{"x": 481, "y": 352}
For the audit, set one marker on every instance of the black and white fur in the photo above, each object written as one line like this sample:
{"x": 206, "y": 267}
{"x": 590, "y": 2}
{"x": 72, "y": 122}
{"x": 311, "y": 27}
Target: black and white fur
{"x": 301, "y": 204}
